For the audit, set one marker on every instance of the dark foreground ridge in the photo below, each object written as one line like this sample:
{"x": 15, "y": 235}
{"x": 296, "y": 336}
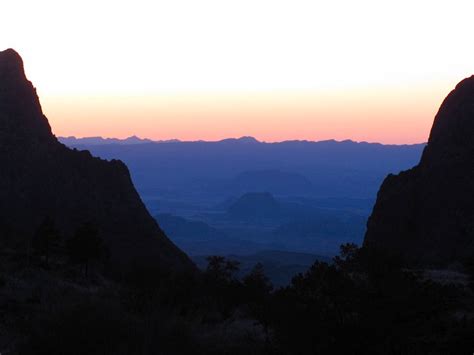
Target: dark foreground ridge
{"x": 40, "y": 177}
{"x": 426, "y": 214}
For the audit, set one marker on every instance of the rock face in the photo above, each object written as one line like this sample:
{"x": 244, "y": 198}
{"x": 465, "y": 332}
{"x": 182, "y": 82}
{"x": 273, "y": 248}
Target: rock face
{"x": 426, "y": 214}
{"x": 40, "y": 177}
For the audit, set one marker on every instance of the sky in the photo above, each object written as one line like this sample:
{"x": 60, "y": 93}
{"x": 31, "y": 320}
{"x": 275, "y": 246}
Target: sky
{"x": 364, "y": 70}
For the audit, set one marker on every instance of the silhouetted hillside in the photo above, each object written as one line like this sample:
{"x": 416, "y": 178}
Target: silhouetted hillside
{"x": 40, "y": 177}
{"x": 426, "y": 214}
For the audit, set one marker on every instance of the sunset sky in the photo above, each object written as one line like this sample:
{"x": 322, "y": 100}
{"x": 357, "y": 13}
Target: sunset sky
{"x": 362, "y": 70}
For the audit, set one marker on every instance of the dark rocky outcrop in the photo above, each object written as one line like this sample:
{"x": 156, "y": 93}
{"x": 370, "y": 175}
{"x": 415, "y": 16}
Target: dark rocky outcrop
{"x": 426, "y": 214}
{"x": 41, "y": 177}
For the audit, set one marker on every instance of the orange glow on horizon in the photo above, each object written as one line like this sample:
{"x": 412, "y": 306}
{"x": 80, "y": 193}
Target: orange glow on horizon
{"x": 386, "y": 114}
{"x": 365, "y": 70}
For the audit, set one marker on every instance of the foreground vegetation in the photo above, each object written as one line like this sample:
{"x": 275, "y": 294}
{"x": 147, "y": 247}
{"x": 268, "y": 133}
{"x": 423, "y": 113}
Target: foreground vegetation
{"x": 63, "y": 298}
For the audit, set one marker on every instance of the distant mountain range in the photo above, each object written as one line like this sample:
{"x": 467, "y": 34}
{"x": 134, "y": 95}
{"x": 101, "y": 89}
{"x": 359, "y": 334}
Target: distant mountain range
{"x": 258, "y": 221}
{"x": 98, "y": 140}
{"x": 73, "y": 141}
{"x": 293, "y": 195}
{"x": 212, "y": 171}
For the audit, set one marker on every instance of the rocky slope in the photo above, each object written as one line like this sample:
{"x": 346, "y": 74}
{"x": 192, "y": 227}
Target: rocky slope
{"x": 40, "y": 177}
{"x": 426, "y": 214}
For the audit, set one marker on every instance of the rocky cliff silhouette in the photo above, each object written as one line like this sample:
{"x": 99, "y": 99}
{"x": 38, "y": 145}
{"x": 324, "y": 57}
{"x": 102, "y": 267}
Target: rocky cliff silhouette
{"x": 40, "y": 177}
{"x": 426, "y": 214}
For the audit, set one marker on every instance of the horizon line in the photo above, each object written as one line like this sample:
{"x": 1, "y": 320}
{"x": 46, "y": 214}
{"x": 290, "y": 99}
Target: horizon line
{"x": 248, "y": 139}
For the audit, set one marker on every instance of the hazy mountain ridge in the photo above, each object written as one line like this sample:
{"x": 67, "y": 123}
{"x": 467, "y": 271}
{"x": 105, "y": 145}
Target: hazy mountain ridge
{"x": 212, "y": 169}
{"x": 201, "y": 180}
{"x": 256, "y": 222}
{"x": 244, "y": 139}
{"x": 78, "y": 142}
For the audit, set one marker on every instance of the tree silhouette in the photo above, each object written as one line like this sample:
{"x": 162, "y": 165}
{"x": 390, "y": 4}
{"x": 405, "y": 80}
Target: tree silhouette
{"x": 46, "y": 238}
{"x": 258, "y": 290}
{"x": 85, "y": 246}
{"x": 349, "y": 255}
{"x": 257, "y": 283}
{"x": 221, "y": 268}
{"x": 222, "y": 285}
